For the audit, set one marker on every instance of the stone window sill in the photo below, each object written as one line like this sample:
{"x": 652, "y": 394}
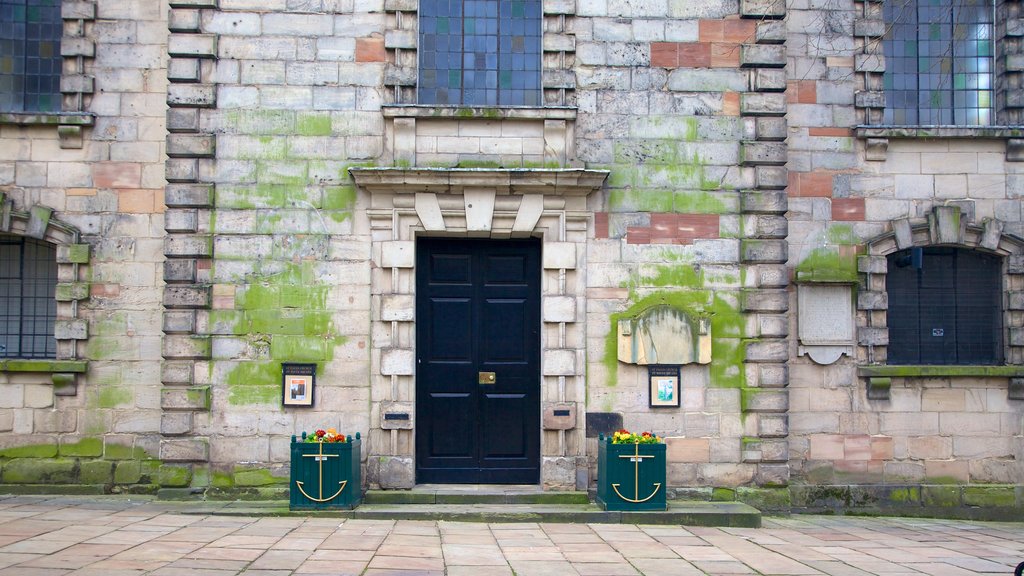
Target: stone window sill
{"x": 879, "y": 377}
{"x": 923, "y": 371}
{"x": 939, "y": 131}
{"x": 17, "y": 365}
{"x": 69, "y": 124}
{"x": 484, "y": 113}
{"x": 46, "y": 118}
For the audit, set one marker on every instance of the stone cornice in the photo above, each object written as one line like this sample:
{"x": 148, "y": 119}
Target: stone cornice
{"x": 557, "y": 182}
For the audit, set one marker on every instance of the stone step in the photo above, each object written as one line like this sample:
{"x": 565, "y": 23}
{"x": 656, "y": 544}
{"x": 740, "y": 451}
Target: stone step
{"x": 680, "y": 512}
{"x": 473, "y": 495}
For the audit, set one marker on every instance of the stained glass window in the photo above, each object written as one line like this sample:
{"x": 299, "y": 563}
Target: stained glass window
{"x": 938, "y": 62}
{"x": 30, "y": 60}
{"x": 480, "y": 52}
{"x": 28, "y": 306}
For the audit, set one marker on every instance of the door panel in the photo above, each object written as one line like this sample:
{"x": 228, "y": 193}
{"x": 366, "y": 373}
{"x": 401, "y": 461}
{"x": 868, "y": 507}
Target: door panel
{"x": 478, "y": 311}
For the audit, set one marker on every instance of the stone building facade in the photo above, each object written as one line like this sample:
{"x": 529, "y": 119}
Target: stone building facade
{"x": 231, "y": 185}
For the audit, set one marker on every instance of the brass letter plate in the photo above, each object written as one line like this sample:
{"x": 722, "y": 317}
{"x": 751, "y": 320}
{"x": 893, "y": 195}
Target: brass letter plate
{"x": 487, "y": 377}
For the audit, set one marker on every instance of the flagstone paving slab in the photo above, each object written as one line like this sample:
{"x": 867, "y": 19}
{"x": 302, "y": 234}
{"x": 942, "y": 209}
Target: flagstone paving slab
{"x": 112, "y": 536}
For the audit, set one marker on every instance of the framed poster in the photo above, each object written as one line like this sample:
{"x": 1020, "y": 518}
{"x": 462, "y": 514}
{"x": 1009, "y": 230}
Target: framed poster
{"x": 664, "y": 386}
{"x": 297, "y": 382}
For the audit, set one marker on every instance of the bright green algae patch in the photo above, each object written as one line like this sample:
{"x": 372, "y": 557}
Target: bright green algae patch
{"x": 833, "y": 259}
{"x": 286, "y": 316}
{"x": 682, "y": 286}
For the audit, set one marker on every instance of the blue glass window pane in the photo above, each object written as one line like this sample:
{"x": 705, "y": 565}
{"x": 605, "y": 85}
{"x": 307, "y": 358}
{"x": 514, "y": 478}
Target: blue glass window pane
{"x": 938, "y": 61}
{"x": 30, "y": 61}
{"x": 481, "y": 45}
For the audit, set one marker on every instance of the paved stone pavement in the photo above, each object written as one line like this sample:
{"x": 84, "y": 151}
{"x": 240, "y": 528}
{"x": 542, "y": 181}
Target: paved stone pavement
{"x": 97, "y": 536}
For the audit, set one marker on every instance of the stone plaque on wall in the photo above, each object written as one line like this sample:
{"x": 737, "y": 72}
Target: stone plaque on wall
{"x": 826, "y": 321}
{"x": 664, "y": 335}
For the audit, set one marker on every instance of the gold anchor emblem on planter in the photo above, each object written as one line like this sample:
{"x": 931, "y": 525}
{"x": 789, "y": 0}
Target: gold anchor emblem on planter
{"x": 321, "y": 458}
{"x": 636, "y": 458}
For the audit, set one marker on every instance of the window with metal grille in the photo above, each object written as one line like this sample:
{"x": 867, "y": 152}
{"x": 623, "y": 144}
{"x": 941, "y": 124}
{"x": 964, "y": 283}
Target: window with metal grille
{"x": 938, "y": 62}
{"x": 945, "y": 307}
{"x": 30, "y": 60}
{"x": 28, "y": 308}
{"x": 480, "y": 52}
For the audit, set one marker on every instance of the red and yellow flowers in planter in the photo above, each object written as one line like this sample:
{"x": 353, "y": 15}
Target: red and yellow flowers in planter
{"x": 329, "y": 435}
{"x": 626, "y": 437}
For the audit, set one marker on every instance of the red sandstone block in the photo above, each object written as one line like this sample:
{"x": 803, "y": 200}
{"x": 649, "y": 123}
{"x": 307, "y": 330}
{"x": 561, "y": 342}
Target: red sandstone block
{"x": 882, "y": 448}
{"x": 793, "y": 184}
{"x": 600, "y": 224}
{"x": 848, "y": 209}
{"x": 665, "y": 54}
{"x": 731, "y": 103}
{"x": 694, "y": 55}
{"x": 816, "y": 184}
{"x": 807, "y": 92}
{"x": 740, "y": 31}
{"x": 858, "y": 447}
{"x": 104, "y": 290}
{"x": 693, "y": 226}
{"x": 132, "y": 201}
{"x": 116, "y": 175}
{"x": 711, "y": 31}
{"x": 638, "y": 235}
{"x": 725, "y": 55}
{"x": 370, "y": 50}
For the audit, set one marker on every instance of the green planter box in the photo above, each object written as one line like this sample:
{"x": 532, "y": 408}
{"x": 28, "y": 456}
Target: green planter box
{"x": 631, "y": 476}
{"x": 325, "y": 475}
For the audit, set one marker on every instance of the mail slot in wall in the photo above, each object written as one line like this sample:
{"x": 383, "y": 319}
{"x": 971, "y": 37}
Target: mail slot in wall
{"x": 560, "y": 416}
{"x": 396, "y": 416}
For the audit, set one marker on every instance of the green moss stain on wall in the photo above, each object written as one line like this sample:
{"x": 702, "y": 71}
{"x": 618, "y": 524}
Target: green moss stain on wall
{"x": 830, "y": 257}
{"x": 310, "y": 124}
{"x": 682, "y": 286}
{"x": 284, "y": 317}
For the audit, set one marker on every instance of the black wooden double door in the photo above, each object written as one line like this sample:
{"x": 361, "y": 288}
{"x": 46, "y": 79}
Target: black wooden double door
{"x": 478, "y": 361}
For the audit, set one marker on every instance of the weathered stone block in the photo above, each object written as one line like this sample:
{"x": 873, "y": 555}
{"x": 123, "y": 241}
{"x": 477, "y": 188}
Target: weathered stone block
{"x": 869, "y": 99}
{"x": 765, "y": 301}
{"x": 190, "y": 450}
{"x": 869, "y": 300}
{"x": 397, "y": 254}
{"x": 1016, "y": 389}
{"x": 772, "y": 425}
{"x": 71, "y": 330}
{"x": 179, "y": 321}
{"x": 192, "y": 45}
{"x": 71, "y": 46}
{"x": 38, "y": 220}
{"x": 76, "y": 83}
{"x": 397, "y": 307}
{"x": 769, "y": 351}
{"x": 401, "y": 39}
{"x": 64, "y": 384}
{"x": 559, "y": 309}
{"x": 96, "y": 472}
{"x": 871, "y": 336}
{"x": 767, "y": 9}
{"x": 760, "y": 153}
{"x": 191, "y": 145}
{"x": 176, "y": 373}
{"x": 771, "y": 400}
{"x": 39, "y": 471}
{"x": 181, "y": 221}
{"x": 767, "y": 226}
{"x": 183, "y": 347}
{"x": 772, "y": 475}
{"x": 77, "y": 10}
{"x": 771, "y": 32}
{"x": 873, "y": 62}
{"x": 69, "y": 291}
{"x": 394, "y": 472}
{"x": 181, "y": 169}
{"x": 185, "y": 398}
{"x": 871, "y": 28}
{"x": 183, "y": 296}
{"x": 559, "y": 362}
{"x": 397, "y": 362}
{"x": 183, "y": 20}
{"x": 771, "y": 128}
{"x": 763, "y": 251}
{"x": 173, "y": 476}
{"x": 175, "y": 423}
{"x": 188, "y": 196}
{"x": 182, "y": 119}
{"x": 946, "y": 225}
{"x": 192, "y": 95}
{"x": 771, "y": 177}
{"x": 188, "y": 246}
{"x": 762, "y": 104}
{"x": 180, "y": 270}
{"x": 762, "y": 56}
{"x": 183, "y": 70}
{"x": 558, "y": 255}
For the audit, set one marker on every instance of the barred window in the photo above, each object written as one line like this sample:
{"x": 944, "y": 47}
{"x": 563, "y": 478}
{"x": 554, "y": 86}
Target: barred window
{"x": 945, "y": 307}
{"x": 30, "y": 60}
{"x": 939, "y": 62}
{"x": 28, "y": 307}
{"x": 480, "y": 52}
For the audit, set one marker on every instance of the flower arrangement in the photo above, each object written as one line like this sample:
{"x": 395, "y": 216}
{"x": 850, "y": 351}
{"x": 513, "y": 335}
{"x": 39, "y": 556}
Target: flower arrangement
{"x": 626, "y": 437}
{"x": 329, "y": 435}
